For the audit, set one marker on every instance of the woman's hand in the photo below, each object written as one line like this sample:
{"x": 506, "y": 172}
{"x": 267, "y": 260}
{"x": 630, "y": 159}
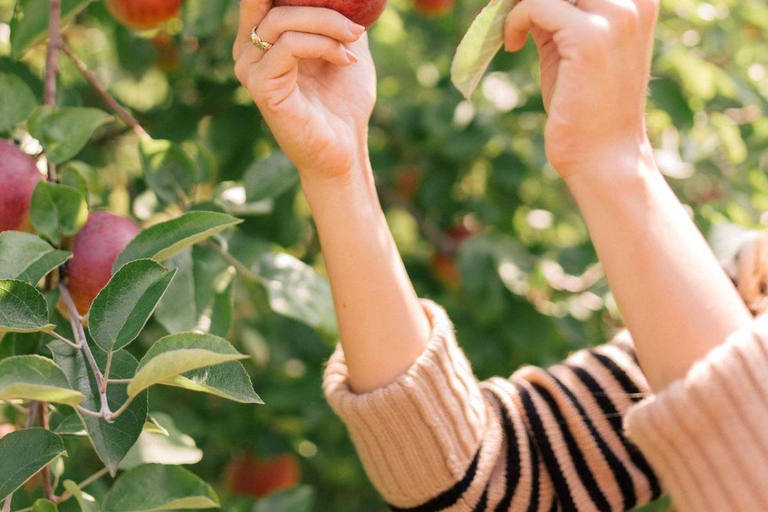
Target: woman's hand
{"x": 316, "y": 87}
{"x": 595, "y": 69}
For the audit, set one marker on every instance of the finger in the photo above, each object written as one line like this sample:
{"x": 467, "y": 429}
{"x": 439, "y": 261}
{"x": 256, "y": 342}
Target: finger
{"x": 283, "y": 59}
{"x": 549, "y": 15}
{"x": 311, "y": 20}
{"x": 252, "y": 12}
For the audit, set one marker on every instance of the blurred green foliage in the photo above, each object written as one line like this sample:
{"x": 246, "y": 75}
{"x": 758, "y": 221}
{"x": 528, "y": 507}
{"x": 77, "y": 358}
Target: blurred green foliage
{"x": 530, "y": 291}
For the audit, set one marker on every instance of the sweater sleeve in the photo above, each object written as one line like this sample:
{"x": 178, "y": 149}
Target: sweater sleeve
{"x": 437, "y": 439}
{"x": 707, "y": 434}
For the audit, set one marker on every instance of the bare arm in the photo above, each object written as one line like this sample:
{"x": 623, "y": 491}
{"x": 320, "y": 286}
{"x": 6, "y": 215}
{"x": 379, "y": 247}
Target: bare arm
{"x": 676, "y": 300}
{"x": 316, "y": 89}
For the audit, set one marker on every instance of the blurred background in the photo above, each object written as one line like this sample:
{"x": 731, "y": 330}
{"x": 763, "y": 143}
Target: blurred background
{"x": 485, "y": 226}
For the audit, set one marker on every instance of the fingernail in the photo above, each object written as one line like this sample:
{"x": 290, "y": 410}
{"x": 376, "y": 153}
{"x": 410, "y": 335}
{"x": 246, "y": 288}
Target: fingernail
{"x": 352, "y": 57}
{"x": 356, "y": 30}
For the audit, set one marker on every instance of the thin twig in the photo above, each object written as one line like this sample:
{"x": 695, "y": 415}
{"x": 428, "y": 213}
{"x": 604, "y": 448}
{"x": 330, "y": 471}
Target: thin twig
{"x": 32, "y": 414}
{"x": 85, "y": 483}
{"x": 113, "y": 416}
{"x": 242, "y": 269}
{"x": 110, "y": 100}
{"x": 107, "y": 369}
{"x": 23, "y": 410}
{"x": 50, "y": 495}
{"x": 77, "y": 326}
{"x": 52, "y": 65}
{"x": 120, "y": 381}
{"x": 65, "y": 340}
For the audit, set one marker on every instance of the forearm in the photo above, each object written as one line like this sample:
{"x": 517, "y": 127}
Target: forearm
{"x": 675, "y": 299}
{"x": 382, "y": 325}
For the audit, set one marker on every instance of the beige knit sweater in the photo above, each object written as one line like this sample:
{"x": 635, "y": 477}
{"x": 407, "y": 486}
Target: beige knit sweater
{"x": 436, "y": 439}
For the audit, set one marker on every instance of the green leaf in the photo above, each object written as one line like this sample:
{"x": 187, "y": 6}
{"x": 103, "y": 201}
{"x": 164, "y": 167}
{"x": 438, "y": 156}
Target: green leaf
{"x": 57, "y": 210}
{"x": 72, "y": 425}
{"x": 17, "y": 101}
{"x": 180, "y": 353}
{"x": 64, "y": 132}
{"x": 24, "y": 453}
{"x": 86, "y": 502}
{"x": 168, "y": 169}
{"x": 157, "y": 487}
{"x": 72, "y": 175}
{"x": 222, "y": 313}
{"x": 163, "y": 240}
{"x": 481, "y": 43}
{"x": 299, "y": 499}
{"x": 27, "y": 257}
{"x": 30, "y": 22}
{"x": 36, "y": 378}
{"x": 297, "y": 291}
{"x": 269, "y": 178}
{"x": 112, "y": 441}
{"x": 122, "y": 309}
{"x": 226, "y": 380}
{"x": 203, "y": 18}
{"x": 43, "y": 505}
{"x": 173, "y": 447}
{"x": 22, "y": 308}
{"x": 189, "y": 303}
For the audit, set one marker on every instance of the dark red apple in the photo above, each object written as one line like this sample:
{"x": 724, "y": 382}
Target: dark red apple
{"x": 144, "y": 14}
{"x": 253, "y": 476}
{"x": 18, "y": 177}
{"x": 362, "y": 12}
{"x": 94, "y": 251}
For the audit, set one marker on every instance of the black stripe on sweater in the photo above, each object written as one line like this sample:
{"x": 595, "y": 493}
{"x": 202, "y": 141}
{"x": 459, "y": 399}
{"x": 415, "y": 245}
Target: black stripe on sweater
{"x": 544, "y": 446}
{"x": 512, "y": 469}
{"x": 483, "y": 503}
{"x": 447, "y": 498}
{"x": 621, "y": 376}
{"x": 615, "y": 420}
{"x": 628, "y": 494}
{"x": 577, "y": 456}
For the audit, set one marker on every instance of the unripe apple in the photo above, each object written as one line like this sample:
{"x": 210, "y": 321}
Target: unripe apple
{"x": 18, "y": 177}
{"x": 362, "y": 12}
{"x": 94, "y": 251}
{"x": 434, "y": 7}
{"x": 144, "y": 14}
{"x": 253, "y": 476}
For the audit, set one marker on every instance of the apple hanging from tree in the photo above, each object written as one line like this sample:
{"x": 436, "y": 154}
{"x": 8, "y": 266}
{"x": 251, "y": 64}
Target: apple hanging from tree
{"x": 144, "y": 14}
{"x": 18, "y": 177}
{"x": 362, "y": 12}
{"x": 94, "y": 251}
{"x": 253, "y": 476}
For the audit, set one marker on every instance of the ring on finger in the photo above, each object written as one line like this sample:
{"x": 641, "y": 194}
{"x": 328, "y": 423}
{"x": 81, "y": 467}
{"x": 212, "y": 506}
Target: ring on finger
{"x": 260, "y": 43}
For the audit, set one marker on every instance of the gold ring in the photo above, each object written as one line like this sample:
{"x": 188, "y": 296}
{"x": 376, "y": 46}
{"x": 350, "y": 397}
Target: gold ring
{"x": 259, "y": 42}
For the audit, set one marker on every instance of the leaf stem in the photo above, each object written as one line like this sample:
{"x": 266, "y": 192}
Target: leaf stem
{"x": 65, "y": 340}
{"x": 113, "y": 416}
{"x": 106, "y": 372}
{"x": 120, "y": 381}
{"x": 110, "y": 100}
{"x": 77, "y": 326}
{"x": 7, "y": 503}
{"x": 50, "y": 493}
{"x": 23, "y": 410}
{"x": 89, "y": 412}
{"x": 242, "y": 269}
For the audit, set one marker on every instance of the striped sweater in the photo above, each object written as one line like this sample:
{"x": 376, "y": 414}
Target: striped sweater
{"x": 436, "y": 439}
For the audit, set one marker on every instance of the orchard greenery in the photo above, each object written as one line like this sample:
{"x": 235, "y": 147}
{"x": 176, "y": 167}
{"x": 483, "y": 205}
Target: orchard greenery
{"x": 149, "y": 401}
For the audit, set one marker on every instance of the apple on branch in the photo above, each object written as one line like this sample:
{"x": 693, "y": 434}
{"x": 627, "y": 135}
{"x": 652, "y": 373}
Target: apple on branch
{"x": 362, "y": 12}
{"x": 144, "y": 14}
{"x": 18, "y": 177}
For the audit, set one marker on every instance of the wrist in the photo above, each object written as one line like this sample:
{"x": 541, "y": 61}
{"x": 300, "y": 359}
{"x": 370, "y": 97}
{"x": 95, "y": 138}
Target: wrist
{"x": 354, "y": 189}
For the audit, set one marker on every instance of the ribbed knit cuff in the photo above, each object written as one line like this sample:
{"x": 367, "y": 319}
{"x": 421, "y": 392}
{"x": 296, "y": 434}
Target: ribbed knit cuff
{"x": 417, "y": 436}
{"x": 707, "y": 434}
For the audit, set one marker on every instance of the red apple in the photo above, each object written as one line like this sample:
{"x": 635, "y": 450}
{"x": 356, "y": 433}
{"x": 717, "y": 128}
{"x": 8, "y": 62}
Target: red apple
{"x": 434, "y": 7}
{"x": 362, "y": 12}
{"x": 445, "y": 266}
{"x": 18, "y": 177}
{"x": 144, "y": 14}
{"x": 94, "y": 251}
{"x": 251, "y": 475}
{"x": 6, "y": 429}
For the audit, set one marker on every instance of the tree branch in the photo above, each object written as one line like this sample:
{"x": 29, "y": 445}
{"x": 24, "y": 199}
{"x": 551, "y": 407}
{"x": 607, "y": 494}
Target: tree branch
{"x": 80, "y": 339}
{"x": 110, "y": 100}
{"x": 85, "y": 483}
{"x": 52, "y": 65}
{"x": 50, "y": 495}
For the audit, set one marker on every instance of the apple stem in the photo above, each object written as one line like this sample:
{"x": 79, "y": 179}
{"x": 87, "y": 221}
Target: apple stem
{"x": 110, "y": 100}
